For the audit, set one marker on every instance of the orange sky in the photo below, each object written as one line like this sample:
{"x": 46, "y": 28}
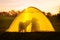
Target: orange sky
{"x": 44, "y": 5}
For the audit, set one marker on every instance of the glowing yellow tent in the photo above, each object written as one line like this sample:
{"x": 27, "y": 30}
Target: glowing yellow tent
{"x": 31, "y": 13}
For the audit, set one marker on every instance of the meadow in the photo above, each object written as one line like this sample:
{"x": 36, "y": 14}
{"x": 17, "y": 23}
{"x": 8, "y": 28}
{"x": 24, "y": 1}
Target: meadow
{"x": 5, "y": 22}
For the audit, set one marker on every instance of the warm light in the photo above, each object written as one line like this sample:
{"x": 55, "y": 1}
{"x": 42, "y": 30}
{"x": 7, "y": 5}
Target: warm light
{"x": 44, "y": 5}
{"x": 42, "y": 23}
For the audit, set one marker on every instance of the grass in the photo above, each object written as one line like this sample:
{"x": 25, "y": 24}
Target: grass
{"x": 5, "y": 22}
{"x": 56, "y": 23}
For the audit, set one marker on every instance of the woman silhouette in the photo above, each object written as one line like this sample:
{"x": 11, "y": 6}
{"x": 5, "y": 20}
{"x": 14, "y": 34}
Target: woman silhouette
{"x": 34, "y": 25}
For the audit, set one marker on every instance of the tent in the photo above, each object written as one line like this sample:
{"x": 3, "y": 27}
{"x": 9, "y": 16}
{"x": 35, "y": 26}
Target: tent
{"x": 33, "y": 20}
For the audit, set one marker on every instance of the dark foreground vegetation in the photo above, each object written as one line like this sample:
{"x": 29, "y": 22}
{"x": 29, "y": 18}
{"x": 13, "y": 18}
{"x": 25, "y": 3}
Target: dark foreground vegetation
{"x": 29, "y": 36}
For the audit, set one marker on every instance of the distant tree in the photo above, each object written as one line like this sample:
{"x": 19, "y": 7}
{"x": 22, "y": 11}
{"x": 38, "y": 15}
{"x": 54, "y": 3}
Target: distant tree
{"x": 13, "y": 13}
{"x": 0, "y": 14}
{"x": 58, "y": 15}
{"x": 48, "y": 14}
{"x": 4, "y": 13}
{"x": 18, "y": 12}
{"x": 44, "y": 13}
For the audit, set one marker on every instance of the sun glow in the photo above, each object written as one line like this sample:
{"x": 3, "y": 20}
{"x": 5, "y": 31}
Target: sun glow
{"x": 44, "y": 5}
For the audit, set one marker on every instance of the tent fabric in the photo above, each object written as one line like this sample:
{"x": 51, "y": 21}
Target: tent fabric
{"x": 33, "y": 20}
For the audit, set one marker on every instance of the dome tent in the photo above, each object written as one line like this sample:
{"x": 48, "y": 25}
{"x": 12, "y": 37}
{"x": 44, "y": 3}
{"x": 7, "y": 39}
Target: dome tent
{"x": 28, "y": 15}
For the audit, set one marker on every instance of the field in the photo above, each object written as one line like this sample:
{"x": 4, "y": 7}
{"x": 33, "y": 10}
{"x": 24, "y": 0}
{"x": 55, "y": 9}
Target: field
{"x": 5, "y": 22}
{"x": 55, "y": 22}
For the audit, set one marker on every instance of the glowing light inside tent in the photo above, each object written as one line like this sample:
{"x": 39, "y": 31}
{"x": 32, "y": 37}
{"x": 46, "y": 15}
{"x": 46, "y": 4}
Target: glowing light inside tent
{"x": 42, "y": 23}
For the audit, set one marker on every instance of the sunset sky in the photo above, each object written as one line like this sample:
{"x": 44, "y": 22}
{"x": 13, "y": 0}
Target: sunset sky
{"x": 44, "y": 5}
